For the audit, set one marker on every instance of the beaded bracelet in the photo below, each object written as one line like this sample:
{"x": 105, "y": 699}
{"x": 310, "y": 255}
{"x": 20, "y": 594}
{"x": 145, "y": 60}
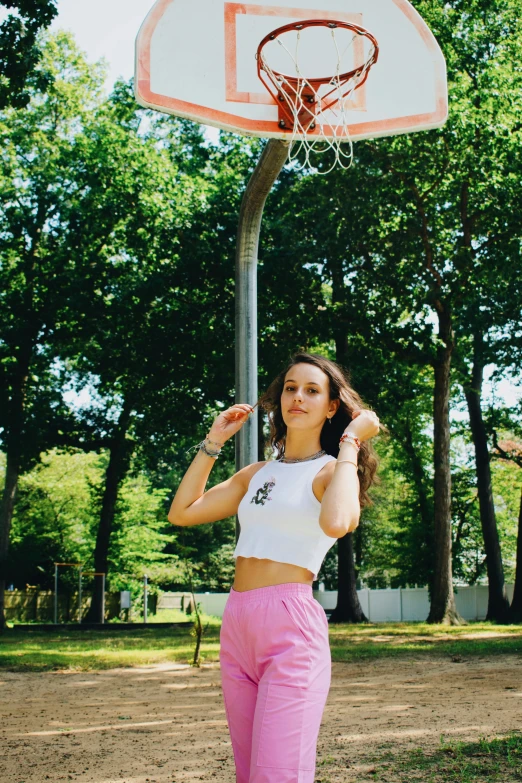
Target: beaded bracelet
{"x": 213, "y": 454}
{"x": 202, "y": 447}
{"x": 215, "y": 442}
{"x": 348, "y": 437}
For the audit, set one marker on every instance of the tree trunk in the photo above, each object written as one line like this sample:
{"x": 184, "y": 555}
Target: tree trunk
{"x": 442, "y": 608}
{"x": 120, "y": 454}
{"x": 13, "y": 441}
{"x": 348, "y": 609}
{"x": 425, "y": 542}
{"x": 516, "y": 604}
{"x": 357, "y": 549}
{"x": 6, "y": 512}
{"x": 419, "y": 476}
{"x": 498, "y": 603}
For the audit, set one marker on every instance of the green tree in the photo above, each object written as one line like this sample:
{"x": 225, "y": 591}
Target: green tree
{"x": 56, "y": 520}
{"x": 36, "y": 276}
{"x": 156, "y": 335}
{"x": 21, "y": 67}
{"x": 410, "y": 234}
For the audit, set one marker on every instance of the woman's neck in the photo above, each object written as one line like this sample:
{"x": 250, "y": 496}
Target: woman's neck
{"x": 301, "y": 444}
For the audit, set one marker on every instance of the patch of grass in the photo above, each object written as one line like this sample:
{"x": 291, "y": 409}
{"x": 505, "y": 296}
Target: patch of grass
{"x": 176, "y": 616}
{"x": 377, "y": 640}
{"x": 30, "y": 649}
{"x": 485, "y": 761}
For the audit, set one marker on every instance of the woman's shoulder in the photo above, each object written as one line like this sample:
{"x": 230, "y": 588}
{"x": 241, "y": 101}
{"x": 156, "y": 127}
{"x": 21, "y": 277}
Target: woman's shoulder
{"x": 249, "y": 471}
{"x": 326, "y": 471}
{"x": 329, "y": 461}
{"x": 255, "y": 466}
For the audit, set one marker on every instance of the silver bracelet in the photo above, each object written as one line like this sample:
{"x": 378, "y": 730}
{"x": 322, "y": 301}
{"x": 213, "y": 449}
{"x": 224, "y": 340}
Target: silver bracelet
{"x": 202, "y": 447}
{"x": 215, "y": 443}
{"x": 213, "y": 454}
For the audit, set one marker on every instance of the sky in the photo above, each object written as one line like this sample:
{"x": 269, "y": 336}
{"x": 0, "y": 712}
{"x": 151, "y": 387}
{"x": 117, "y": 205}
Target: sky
{"x": 108, "y": 29}
{"x": 105, "y": 28}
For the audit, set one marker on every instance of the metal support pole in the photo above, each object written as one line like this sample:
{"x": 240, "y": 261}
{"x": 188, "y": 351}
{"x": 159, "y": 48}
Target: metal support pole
{"x": 102, "y": 618}
{"x": 55, "y": 594}
{"x": 265, "y": 174}
{"x": 80, "y": 594}
{"x": 145, "y": 580}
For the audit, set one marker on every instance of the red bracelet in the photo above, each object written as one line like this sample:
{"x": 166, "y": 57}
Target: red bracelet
{"x": 349, "y": 437}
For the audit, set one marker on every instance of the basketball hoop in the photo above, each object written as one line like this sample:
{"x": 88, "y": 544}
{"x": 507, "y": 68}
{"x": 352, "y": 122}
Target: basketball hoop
{"x": 314, "y": 109}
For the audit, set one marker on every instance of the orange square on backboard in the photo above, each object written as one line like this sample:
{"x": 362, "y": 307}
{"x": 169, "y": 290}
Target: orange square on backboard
{"x": 233, "y": 10}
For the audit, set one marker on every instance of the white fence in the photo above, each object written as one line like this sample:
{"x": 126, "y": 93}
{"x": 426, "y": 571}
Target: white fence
{"x": 387, "y": 605}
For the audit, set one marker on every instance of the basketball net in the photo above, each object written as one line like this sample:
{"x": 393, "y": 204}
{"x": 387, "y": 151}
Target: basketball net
{"x": 317, "y": 105}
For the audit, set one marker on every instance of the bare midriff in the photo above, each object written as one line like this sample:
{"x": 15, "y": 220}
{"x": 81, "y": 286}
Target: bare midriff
{"x": 253, "y": 572}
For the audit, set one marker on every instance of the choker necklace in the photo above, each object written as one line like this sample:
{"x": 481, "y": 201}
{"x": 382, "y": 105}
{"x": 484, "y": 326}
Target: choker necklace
{"x": 302, "y": 459}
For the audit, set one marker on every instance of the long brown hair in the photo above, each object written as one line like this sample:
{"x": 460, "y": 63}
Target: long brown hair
{"x": 340, "y": 389}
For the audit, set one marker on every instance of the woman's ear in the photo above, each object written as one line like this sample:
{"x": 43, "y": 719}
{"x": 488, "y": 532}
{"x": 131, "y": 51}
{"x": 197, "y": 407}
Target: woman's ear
{"x": 336, "y": 406}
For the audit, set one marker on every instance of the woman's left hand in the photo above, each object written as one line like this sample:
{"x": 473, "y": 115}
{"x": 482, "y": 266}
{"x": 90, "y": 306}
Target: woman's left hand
{"x": 364, "y": 424}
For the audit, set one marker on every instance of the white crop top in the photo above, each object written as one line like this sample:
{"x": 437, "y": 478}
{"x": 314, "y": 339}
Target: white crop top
{"x": 279, "y": 515}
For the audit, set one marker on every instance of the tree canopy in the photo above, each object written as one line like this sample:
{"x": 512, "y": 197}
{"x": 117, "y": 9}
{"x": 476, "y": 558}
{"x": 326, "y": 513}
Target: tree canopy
{"x": 21, "y": 67}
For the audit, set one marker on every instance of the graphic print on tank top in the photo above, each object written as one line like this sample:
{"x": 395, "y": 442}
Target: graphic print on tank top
{"x": 261, "y": 496}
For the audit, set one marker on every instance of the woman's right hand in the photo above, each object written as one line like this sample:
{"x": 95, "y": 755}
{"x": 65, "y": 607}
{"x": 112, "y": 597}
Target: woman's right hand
{"x": 229, "y": 422}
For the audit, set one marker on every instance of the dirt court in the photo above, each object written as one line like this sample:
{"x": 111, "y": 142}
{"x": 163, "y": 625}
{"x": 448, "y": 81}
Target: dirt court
{"x": 166, "y": 723}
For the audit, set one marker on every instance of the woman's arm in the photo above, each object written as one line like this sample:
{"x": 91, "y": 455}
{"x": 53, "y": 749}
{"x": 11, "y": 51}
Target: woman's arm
{"x": 340, "y": 508}
{"x": 191, "y": 504}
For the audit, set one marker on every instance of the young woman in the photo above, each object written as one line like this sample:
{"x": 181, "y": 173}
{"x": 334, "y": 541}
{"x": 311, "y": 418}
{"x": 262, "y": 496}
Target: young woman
{"x": 275, "y": 654}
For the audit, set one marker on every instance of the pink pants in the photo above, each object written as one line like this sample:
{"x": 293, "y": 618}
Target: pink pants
{"x": 275, "y": 673}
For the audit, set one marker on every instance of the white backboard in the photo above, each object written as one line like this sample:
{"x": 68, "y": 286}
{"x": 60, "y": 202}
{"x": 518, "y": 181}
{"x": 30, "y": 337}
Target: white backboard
{"x": 197, "y": 59}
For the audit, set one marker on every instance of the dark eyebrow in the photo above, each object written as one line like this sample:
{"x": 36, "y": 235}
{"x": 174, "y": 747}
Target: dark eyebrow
{"x": 310, "y": 383}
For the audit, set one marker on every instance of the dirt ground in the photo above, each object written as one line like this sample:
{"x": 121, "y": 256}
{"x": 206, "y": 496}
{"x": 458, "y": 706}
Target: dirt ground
{"x": 166, "y": 723}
